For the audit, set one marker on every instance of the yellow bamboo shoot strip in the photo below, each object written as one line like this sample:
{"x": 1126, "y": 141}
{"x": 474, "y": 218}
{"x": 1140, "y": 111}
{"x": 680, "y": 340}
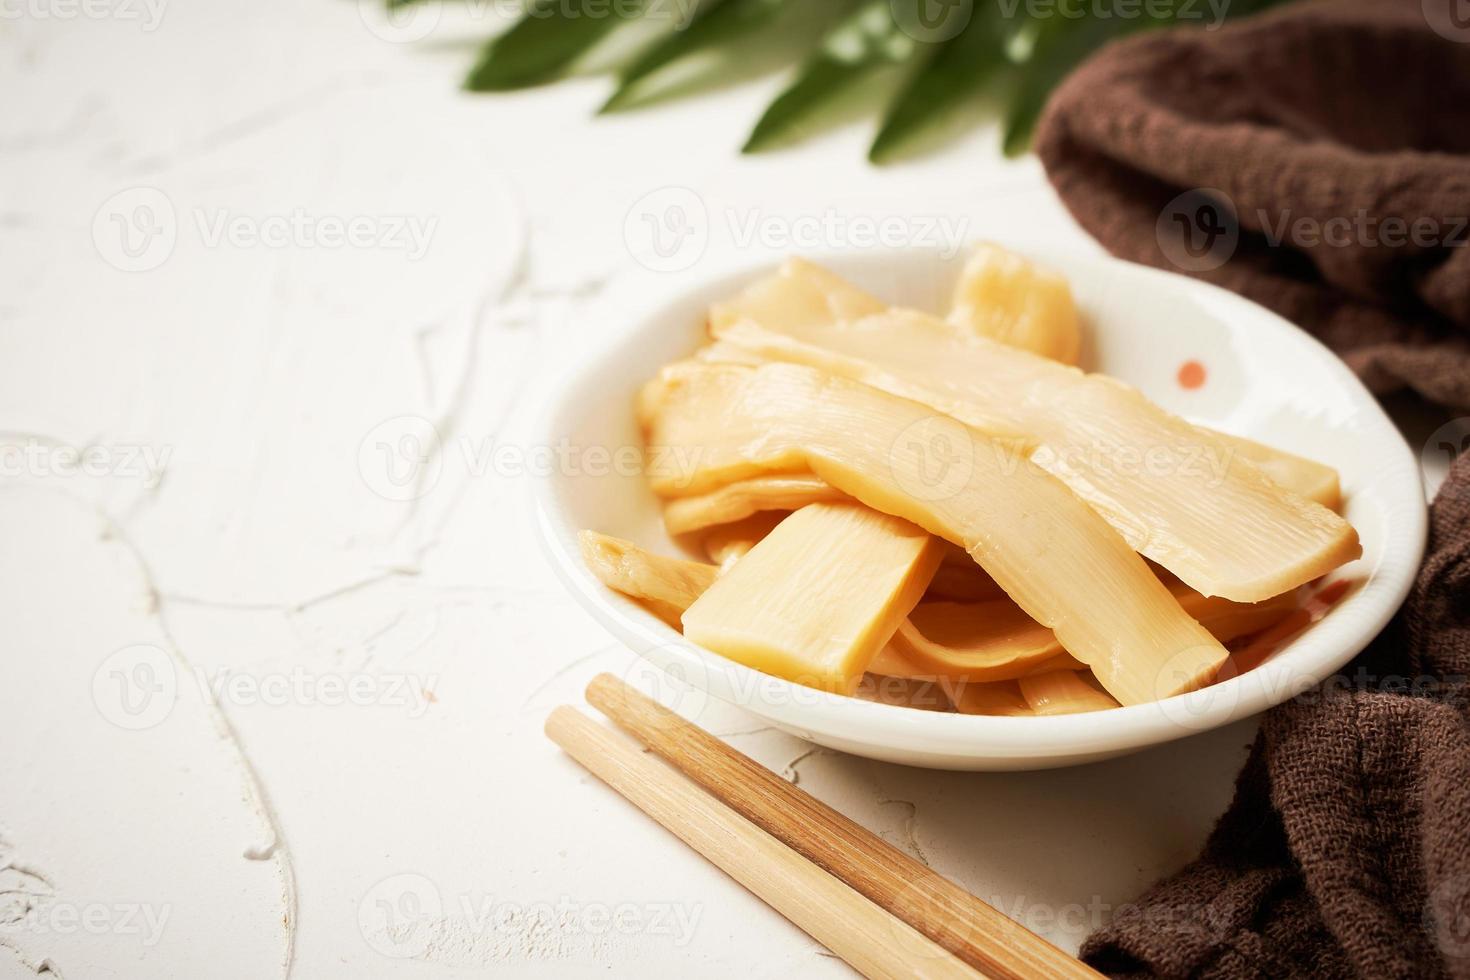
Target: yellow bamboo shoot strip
{"x": 818, "y": 597}
{"x": 1047, "y": 549}
{"x": 919, "y": 693}
{"x": 957, "y": 644}
{"x": 983, "y": 641}
{"x": 1313, "y": 480}
{"x": 961, "y": 580}
{"x": 722, "y": 353}
{"x": 802, "y": 291}
{"x": 729, "y": 542}
{"x": 1062, "y": 692}
{"x": 743, "y": 498}
{"x": 740, "y": 514}
{"x": 1009, "y": 299}
{"x": 1178, "y": 494}
{"x": 960, "y": 584}
{"x": 991, "y": 641}
{"x": 892, "y": 661}
{"x": 998, "y": 698}
{"x": 665, "y": 585}
{"x": 668, "y": 586}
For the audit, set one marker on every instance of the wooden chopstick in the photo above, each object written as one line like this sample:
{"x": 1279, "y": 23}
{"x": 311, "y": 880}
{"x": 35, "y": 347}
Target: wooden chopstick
{"x": 869, "y": 939}
{"x": 932, "y": 904}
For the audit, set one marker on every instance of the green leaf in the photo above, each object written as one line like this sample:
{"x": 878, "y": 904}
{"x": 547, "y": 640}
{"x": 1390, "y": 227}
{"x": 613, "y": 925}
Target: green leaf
{"x": 1063, "y": 42}
{"x": 1060, "y": 45}
{"x": 546, "y": 41}
{"x": 958, "y": 69}
{"x": 866, "y": 40}
{"x": 716, "y": 23}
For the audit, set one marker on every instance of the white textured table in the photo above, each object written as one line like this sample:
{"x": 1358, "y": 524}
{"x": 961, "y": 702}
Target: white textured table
{"x": 274, "y": 679}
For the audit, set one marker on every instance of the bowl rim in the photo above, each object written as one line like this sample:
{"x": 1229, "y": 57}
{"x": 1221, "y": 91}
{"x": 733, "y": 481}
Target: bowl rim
{"x": 818, "y": 715}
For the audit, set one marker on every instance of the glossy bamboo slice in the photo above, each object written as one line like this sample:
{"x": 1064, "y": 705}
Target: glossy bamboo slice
{"x": 1062, "y": 692}
{"x": 1011, "y": 300}
{"x": 729, "y": 542}
{"x": 1048, "y": 550}
{"x": 665, "y": 585}
{"x": 995, "y": 640}
{"x": 739, "y": 500}
{"x": 818, "y": 597}
{"x": 1179, "y": 494}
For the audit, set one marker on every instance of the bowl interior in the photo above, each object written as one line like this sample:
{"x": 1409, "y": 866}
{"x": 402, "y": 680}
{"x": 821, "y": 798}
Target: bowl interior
{"x": 1200, "y": 352}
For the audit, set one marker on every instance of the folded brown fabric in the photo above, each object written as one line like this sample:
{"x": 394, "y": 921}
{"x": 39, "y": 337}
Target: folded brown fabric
{"x": 1346, "y": 851}
{"x": 1322, "y": 152}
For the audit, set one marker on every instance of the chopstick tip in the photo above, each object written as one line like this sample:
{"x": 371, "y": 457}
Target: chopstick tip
{"x": 603, "y": 683}
{"x": 557, "y": 722}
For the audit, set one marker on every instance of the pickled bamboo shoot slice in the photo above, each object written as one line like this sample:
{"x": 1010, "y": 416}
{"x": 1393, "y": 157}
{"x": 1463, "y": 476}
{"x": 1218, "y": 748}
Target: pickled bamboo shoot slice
{"x": 1047, "y": 549}
{"x": 1009, "y": 299}
{"x": 995, "y": 640}
{"x": 960, "y": 584}
{"x": 961, "y": 580}
{"x": 1313, "y": 480}
{"x": 985, "y": 641}
{"x": 800, "y": 292}
{"x": 923, "y": 694}
{"x": 817, "y": 599}
{"x": 889, "y": 662}
{"x": 894, "y": 661}
{"x": 720, "y": 352}
{"x": 728, "y": 542}
{"x": 1228, "y": 620}
{"x": 1062, "y": 692}
{"x": 1000, "y": 698}
{"x": 1177, "y": 493}
{"x": 741, "y": 499}
{"x": 666, "y": 586}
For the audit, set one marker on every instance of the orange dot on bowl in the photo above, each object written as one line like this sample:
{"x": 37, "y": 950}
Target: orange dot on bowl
{"x": 1191, "y": 375}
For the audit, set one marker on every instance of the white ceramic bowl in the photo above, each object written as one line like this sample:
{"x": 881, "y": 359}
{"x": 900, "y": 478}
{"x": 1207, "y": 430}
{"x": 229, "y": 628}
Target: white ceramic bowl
{"x": 1264, "y": 378}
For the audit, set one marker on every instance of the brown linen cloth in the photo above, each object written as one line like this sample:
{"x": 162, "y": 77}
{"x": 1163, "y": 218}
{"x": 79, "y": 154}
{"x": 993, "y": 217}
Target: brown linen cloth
{"x": 1346, "y": 851}
{"x": 1332, "y": 127}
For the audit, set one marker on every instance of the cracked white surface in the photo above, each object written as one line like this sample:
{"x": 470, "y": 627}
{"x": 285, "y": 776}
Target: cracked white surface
{"x": 281, "y": 558}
